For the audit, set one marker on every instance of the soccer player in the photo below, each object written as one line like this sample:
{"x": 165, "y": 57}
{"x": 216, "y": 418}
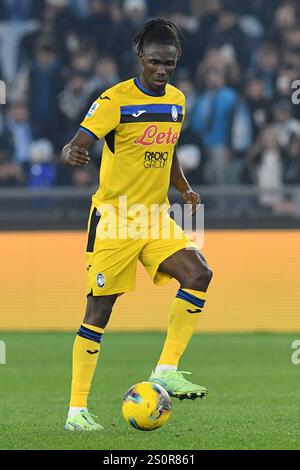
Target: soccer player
{"x": 140, "y": 120}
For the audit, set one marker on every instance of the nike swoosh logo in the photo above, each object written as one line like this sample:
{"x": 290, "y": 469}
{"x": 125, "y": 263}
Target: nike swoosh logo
{"x": 92, "y": 352}
{"x": 139, "y": 113}
{"x": 194, "y": 311}
{"x": 104, "y": 98}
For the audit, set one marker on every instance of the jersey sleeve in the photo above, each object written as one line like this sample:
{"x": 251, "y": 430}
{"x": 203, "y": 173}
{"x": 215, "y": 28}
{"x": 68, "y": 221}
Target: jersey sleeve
{"x": 102, "y": 117}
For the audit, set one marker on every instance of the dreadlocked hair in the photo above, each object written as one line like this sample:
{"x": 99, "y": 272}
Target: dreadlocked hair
{"x": 159, "y": 31}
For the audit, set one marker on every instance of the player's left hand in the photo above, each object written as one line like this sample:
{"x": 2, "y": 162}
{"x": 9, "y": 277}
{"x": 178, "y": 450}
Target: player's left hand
{"x": 193, "y": 199}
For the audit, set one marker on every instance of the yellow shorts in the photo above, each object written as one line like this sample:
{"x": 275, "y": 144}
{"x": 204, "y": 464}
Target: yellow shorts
{"x": 111, "y": 262}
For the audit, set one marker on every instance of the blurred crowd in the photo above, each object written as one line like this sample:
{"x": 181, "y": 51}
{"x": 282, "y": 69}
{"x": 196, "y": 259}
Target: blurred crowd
{"x": 238, "y": 64}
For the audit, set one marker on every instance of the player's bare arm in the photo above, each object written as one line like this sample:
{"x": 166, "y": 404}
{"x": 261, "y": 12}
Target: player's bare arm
{"x": 179, "y": 181}
{"x": 75, "y": 153}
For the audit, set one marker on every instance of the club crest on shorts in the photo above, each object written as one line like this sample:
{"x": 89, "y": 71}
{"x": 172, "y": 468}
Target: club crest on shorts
{"x": 100, "y": 280}
{"x": 174, "y": 113}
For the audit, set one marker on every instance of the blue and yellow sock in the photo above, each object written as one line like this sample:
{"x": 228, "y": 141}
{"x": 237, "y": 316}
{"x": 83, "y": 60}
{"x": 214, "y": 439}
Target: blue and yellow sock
{"x": 183, "y": 319}
{"x": 85, "y": 356}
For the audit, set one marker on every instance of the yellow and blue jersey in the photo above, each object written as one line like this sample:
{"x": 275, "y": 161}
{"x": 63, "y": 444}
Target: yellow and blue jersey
{"x": 141, "y": 130}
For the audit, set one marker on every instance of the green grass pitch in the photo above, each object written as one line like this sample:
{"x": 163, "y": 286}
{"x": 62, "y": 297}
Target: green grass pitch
{"x": 253, "y": 400}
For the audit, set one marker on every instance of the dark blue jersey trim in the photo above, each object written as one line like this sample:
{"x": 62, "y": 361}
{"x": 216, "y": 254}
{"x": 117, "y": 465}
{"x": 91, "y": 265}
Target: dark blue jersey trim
{"x": 87, "y": 131}
{"x": 144, "y": 90}
{"x": 140, "y": 109}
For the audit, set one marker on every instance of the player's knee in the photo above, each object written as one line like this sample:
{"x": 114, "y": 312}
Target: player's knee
{"x": 199, "y": 279}
{"x": 209, "y": 274}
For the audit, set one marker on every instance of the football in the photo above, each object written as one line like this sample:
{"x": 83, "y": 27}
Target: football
{"x": 146, "y": 406}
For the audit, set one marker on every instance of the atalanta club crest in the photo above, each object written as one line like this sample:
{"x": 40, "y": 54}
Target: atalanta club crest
{"x": 174, "y": 113}
{"x": 100, "y": 279}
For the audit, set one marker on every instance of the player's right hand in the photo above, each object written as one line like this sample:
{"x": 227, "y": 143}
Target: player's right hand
{"x": 76, "y": 156}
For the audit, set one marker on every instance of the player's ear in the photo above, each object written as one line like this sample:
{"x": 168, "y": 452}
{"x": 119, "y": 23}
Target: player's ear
{"x": 141, "y": 58}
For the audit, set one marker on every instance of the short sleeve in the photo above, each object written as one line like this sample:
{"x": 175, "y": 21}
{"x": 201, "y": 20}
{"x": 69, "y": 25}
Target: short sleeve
{"x": 102, "y": 117}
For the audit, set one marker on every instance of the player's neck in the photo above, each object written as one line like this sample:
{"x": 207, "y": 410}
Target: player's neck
{"x": 144, "y": 85}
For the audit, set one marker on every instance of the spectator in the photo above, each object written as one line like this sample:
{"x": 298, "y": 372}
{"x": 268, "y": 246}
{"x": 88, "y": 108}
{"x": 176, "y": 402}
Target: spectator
{"x": 258, "y": 105}
{"x": 17, "y": 18}
{"x": 221, "y": 59}
{"x": 41, "y": 83}
{"x": 192, "y": 47}
{"x": 285, "y": 77}
{"x": 292, "y": 38}
{"x": 189, "y": 156}
{"x": 97, "y": 26}
{"x": 209, "y": 20}
{"x": 190, "y": 146}
{"x": 241, "y": 135}
{"x": 286, "y": 126}
{"x": 11, "y": 173}
{"x": 45, "y": 28}
{"x": 116, "y": 14}
{"x": 80, "y": 8}
{"x": 41, "y": 171}
{"x": 84, "y": 177}
{"x": 186, "y": 85}
{"x": 212, "y": 119}
{"x": 292, "y": 163}
{"x": 285, "y": 18}
{"x": 227, "y": 32}
{"x": 264, "y": 10}
{"x": 268, "y": 158}
{"x": 18, "y": 127}
{"x": 106, "y": 75}
{"x": 75, "y": 100}
{"x": 291, "y": 48}
{"x": 135, "y": 13}
{"x": 266, "y": 67}
{"x": 20, "y": 10}
{"x": 63, "y": 17}
{"x": 83, "y": 59}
